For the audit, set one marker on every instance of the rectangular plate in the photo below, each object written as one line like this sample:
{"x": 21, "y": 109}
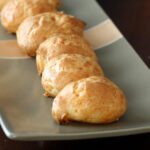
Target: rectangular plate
{"x": 25, "y": 114}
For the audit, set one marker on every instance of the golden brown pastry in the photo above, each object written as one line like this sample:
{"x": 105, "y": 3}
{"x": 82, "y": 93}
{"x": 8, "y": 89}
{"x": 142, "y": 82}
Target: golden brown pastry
{"x": 15, "y": 11}
{"x": 3, "y": 3}
{"x": 67, "y": 68}
{"x": 91, "y": 100}
{"x": 34, "y": 30}
{"x": 59, "y": 44}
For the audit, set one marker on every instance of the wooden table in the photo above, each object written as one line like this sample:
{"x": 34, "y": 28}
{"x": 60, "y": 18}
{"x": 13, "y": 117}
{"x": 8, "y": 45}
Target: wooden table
{"x": 133, "y": 19}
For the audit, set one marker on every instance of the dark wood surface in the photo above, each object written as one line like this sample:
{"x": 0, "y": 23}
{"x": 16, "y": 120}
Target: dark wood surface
{"x": 133, "y": 19}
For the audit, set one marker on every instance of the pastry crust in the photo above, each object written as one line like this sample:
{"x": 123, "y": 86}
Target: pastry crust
{"x": 3, "y": 3}
{"x": 91, "y": 100}
{"x": 15, "y": 11}
{"x": 59, "y": 44}
{"x": 34, "y": 30}
{"x": 67, "y": 68}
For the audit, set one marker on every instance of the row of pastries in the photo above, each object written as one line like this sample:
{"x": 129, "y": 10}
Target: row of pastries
{"x": 65, "y": 60}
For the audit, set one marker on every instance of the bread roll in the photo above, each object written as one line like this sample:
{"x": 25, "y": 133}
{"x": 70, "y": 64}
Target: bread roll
{"x": 59, "y": 44}
{"x": 15, "y": 11}
{"x": 67, "y": 68}
{"x": 34, "y": 30}
{"x": 91, "y": 100}
{"x": 3, "y": 3}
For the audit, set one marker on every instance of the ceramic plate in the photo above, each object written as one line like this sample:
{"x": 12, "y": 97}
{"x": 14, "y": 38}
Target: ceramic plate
{"x": 25, "y": 114}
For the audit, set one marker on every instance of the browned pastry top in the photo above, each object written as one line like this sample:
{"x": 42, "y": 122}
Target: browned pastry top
{"x": 67, "y": 68}
{"x": 34, "y": 30}
{"x": 59, "y": 44}
{"x": 3, "y": 3}
{"x": 15, "y": 11}
{"x": 91, "y": 100}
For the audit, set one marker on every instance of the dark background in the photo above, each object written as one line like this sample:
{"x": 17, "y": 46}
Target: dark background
{"x": 133, "y": 19}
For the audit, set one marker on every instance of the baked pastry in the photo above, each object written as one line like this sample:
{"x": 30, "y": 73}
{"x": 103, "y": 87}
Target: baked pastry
{"x": 2, "y": 3}
{"x": 59, "y": 44}
{"x": 34, "y": 30}
{"x": 15, "y": 11}
{"x": 91, "y": 100}
{"x": 67, "y": 68}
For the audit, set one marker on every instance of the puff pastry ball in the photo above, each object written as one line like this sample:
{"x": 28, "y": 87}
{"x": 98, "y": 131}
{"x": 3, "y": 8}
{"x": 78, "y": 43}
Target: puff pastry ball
{"x": 34, "y": 30}
{"x": 67, "y": 68}
{"x": 3, "y": 3}
{"x": 15, "y": 11}
{"x": 91, "y": 100}
{"x": 59, "y": 44}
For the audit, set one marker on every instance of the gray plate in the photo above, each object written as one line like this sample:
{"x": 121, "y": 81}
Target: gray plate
{"x": 25, "y": 112}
